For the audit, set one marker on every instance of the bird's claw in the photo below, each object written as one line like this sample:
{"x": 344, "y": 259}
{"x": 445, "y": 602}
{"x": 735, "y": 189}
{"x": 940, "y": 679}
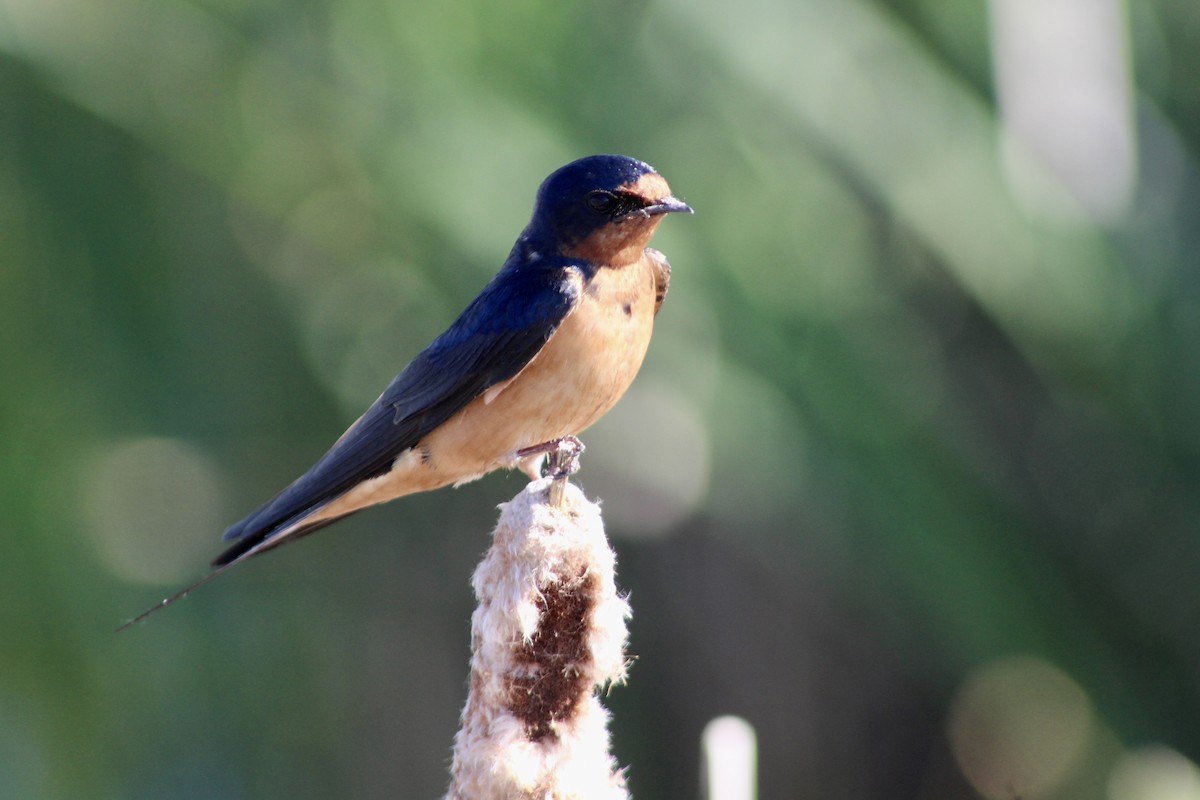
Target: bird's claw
{"x": 563, "y": 456}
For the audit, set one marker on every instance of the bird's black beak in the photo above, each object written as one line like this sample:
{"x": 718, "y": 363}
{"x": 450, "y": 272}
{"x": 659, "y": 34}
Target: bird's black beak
{"x": 667, "y": 205}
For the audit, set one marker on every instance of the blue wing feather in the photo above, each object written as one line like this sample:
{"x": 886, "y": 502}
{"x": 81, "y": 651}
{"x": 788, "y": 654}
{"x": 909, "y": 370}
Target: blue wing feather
{"x": 491, "y": 341}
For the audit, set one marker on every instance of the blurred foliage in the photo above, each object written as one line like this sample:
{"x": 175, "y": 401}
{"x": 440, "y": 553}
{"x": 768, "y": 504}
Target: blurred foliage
{"x": 909, "y": 479}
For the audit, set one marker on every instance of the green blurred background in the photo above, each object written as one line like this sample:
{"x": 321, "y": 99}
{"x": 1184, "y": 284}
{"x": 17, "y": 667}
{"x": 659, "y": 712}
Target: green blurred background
{"x": 909, "y": 479}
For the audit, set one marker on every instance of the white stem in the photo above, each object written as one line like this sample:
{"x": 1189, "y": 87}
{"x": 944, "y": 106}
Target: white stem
{"x": 730, "y": 755}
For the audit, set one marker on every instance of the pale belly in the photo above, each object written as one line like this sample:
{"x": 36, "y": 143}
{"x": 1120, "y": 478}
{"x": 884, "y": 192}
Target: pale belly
{"x": 579, "y": 375}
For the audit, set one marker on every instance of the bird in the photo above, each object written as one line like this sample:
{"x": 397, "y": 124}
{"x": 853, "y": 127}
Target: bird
{"x": 551, "y": 343}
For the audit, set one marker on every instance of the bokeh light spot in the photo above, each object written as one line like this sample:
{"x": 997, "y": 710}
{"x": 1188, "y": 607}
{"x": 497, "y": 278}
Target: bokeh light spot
{"x": 1154, "y": 773}
{"x": 154, "y": 509}
{"x": 362, "y": 330}
{"x": 1019, "y": 727}
{"x": 1062, "y": 74}
{"x": 651, "y": 452}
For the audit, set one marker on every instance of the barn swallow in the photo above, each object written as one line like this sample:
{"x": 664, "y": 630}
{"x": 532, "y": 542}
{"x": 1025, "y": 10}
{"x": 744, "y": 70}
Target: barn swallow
{"x": 548, "y": 346}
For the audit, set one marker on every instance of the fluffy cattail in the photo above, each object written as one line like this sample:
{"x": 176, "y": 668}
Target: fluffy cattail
{"x": 548, "y": 633}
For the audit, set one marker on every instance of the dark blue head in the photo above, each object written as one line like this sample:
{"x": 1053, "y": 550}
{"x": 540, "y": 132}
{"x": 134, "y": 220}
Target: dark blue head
{"x": 618, "y": 197}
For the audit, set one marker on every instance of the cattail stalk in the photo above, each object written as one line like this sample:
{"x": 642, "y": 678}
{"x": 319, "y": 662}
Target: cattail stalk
{"x": 548, "y": 634}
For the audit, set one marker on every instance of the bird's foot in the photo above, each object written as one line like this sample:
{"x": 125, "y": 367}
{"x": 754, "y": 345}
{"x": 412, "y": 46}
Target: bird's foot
{"x": 563, "y": 461}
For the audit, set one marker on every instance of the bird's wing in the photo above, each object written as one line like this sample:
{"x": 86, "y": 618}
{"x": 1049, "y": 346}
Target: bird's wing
{"x": 498, "y": 334}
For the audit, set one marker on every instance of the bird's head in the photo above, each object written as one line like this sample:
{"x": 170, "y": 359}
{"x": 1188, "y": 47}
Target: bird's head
{"x": 603, "y": 209}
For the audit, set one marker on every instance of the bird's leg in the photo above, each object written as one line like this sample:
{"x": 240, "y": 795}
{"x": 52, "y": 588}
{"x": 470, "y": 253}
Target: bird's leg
{"x": 564, "y": 456}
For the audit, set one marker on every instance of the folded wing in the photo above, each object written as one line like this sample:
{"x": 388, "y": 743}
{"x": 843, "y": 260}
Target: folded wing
{"x": 497, "y": 335}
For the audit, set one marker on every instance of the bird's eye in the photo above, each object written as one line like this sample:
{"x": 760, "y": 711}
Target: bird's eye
{"x": 601, "y": 201}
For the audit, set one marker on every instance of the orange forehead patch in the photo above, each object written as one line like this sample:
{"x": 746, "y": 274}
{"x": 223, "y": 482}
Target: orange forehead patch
{"x": 652, "y": 186}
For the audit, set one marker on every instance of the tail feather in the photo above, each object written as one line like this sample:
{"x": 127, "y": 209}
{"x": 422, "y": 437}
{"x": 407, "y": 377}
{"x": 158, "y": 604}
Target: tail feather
{"x": 182, "y": 593}
{"x": 259, "y": 543}
{"x": 249, "y": 546}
